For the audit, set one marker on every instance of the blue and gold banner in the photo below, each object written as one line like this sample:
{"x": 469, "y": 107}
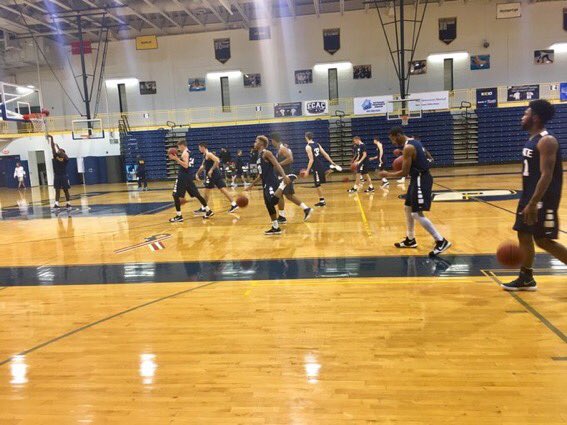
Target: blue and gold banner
{"x": 222, "y": 49}
{"x": 332, "y": 40}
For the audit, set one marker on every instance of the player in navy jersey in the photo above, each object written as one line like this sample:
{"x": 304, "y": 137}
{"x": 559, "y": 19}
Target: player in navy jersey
{"x": 419, "y": 195}
{"x": 185, "y": 183}
{"x": 285, "y": 157}
{"x": 239, "y": 170}
{"x": 360, "y": 161}
{"x": 268, "y": 166}
{"x": 60, "y": 177}
{"x": 542, "y": 179}
{"x": 213, "y": 177}
{"x": 380, "y": 158}
{"x": 315, "y": 153}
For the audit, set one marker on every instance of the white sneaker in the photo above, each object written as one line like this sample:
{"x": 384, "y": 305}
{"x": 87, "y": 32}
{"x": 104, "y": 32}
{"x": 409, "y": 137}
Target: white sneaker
{"x": 402, "y": 180}
{"x": 336, "y": 167}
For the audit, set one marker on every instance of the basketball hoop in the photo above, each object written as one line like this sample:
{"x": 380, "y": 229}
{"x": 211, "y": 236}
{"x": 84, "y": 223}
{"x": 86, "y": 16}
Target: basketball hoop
{"x": 405, "y": 119}
{"x": 37, "y": 120}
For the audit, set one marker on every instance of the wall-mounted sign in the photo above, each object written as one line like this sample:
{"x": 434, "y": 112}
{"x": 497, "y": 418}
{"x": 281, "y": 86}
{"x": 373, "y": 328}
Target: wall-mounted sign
{"x": 146, "y": 42}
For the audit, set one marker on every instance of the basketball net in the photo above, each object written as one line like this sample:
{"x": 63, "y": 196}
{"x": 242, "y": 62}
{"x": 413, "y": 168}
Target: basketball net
{"x": 38, "y": 122}
{"x": 405, "y": 119}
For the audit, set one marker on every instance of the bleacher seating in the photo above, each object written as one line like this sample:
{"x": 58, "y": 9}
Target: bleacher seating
{"x": 434, "y": 129}
{"x": 242, "y": 137}
{"x": 150, "y": 145}
{"x": 501, "y": 138}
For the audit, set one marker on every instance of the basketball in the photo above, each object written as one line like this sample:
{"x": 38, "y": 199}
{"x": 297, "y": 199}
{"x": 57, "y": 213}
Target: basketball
{"x": 509, "y": 254}
{"x": 26, "y": 117}
{"x": 397, "y": 164}
{"x": 397, "y": 152}
{"x": 303, "y": 173}
{"x": 345, "y": 179}
{"x": 353, "y": 167}
{"x": 172, "y": 151}
{"x": 242, "y": 201}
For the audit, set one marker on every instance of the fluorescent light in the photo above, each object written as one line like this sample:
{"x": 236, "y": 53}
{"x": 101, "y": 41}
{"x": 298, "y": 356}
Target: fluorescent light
{"x": 24, "y": 90}
{"x": 125, "y": 81}
{"x": 338, "y": 65}
{"x": 559, "y": 47}
{"x": 233, "y": 73}
{"x": 439, "y": 57}
{"x": 30, "y": 87}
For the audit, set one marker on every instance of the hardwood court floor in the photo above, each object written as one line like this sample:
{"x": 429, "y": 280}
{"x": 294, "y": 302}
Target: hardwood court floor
{"x": 436, "y": 349}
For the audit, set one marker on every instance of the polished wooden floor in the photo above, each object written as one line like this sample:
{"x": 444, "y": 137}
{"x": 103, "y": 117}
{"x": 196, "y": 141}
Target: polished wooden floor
{"x": 405, "y": 350}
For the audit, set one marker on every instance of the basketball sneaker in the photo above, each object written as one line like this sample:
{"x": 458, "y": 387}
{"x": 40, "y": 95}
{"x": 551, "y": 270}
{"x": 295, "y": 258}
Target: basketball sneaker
{"x": 307, "y": 213}
{"x": 336, "y": 167}
{"x": 369, "y": 190}
{"x": 402, "y": 180}
{"x": 440, "y": 247}
{"x": 199, "y": 211}
{"x": 282, "y": 220}
{"x": 406, "y": 243}
{"x": 176, "y": 219}
{"x": 273, "y": 232}
{"x": 320, "y": 204}
{"x": 385, "y": 184}
{"x": 233, "y": 208}
{"x": 208, "y": 214}
{"x": 524, "y": 282}
{"x": 352, "y": 190}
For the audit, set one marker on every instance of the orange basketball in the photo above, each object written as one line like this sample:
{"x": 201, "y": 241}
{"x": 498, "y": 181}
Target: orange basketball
{"x": 303, "y": 173}
{"x": 353, "y": 167}
{"x": 509, "y": 254}
{"x": 242, "y": 201}
{"x": 397, "y": 152}
{"x": 397, "y": 164}
{"x": 172, "y": 151}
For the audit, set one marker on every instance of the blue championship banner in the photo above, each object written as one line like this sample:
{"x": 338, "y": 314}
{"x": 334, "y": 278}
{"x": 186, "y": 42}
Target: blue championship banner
{"x": 332, "y": 40}
{"x": 222, "y": 49}
{"x": 447, "y": 30}
{"x": 487, "y": 98}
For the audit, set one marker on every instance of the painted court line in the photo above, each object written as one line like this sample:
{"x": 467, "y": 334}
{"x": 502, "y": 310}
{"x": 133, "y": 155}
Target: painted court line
{"x": 363, "y": 215}
{"x": 106, "y": 319}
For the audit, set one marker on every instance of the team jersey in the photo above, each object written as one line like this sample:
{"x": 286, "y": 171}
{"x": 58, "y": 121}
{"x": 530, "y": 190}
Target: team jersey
{"x": 185, "y": 172}
{"x": 287, "y": 168}
{"x": 141, "y": 166}
{"x": 60, "y": 167}
{"x": 317, "y": 157}
{"x": 239, "y": 163}
{"x": 532, "y": 173}
{"x": 266, "y": 170}
{"x": 359, "y": 150}
{"x": 419, "y": 164}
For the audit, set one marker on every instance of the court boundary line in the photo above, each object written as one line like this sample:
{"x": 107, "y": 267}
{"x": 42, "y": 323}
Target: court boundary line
{"x": 363, "y": 215}
{"x": 103, "y": 320}
{"x": 528, "y": 307}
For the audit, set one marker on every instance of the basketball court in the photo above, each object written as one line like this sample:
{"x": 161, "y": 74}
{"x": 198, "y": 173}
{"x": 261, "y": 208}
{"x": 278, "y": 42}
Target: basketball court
{"x": 110, "y": 314}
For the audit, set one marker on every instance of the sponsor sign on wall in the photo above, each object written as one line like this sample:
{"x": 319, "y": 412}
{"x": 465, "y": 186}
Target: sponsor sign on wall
{"x": 316, "y": 107}
{"x": 430, "y": 101}
{"x": 487, "y": 98}
{"x": 372, "y": 105}
{"x": 508, "y": 10}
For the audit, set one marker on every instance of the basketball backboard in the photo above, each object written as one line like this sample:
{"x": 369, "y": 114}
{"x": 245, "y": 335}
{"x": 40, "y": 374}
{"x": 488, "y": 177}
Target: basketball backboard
{"x": 85, "y": 129}
{"x": 17, "y": 102}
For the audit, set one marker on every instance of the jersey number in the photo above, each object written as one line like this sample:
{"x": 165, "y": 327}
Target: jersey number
{"x": 526, "y": 172}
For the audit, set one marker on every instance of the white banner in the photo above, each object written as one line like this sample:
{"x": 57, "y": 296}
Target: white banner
{"x": 316, "y": 107}
{"x": 508, "y": 10}
{"x": 373, "y": 105}
{"x": 430, "y": 101}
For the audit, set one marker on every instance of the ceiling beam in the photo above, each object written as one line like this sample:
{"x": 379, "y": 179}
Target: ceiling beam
{"x": 110, "y": 14}
{"x": 342, "y": 6}
{"x": 215, "y": 12}
{"x": 226, "y": 6}
{"x": 316, "y": 4}
{"x": 162, "y": 13}
{"x": 188, "y": 12}
{"x": 69, "y": 20}
{"x": 29, "y": 19}
{"x": 139, "y": 15}
{"x": 241, "y": 11}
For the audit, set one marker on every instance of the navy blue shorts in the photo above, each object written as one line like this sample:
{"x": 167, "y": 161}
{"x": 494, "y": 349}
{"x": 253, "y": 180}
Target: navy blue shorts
{"x": 215, "y": 181}
{"x": 547, "y": 225}
{"x": 362, "y": 168}
{"x": 61, "y": 182}
{"x": 319, "y": 176}
{"x": 183, "y": 186}
{"x": 420, "y": 193}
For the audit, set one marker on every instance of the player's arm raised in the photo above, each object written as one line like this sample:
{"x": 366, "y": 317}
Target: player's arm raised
{"x": 52, "y": 143}
{"x": 547, "y": 148}
{"x": 270, "y": 157}
{"x": 408, "y": 152}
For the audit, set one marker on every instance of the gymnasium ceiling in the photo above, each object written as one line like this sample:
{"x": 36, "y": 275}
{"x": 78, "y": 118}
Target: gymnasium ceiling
{"x": 56, "y": 19}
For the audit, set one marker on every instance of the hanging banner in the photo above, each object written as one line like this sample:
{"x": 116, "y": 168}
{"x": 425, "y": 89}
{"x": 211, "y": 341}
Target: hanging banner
{"x": 316, "y": 107}
{"x": 290, "y": 109}
{"x": 222, "y": 49}
{"x": 429, "y": 101}
{"x": 76, "y": 47}
{"x": 487, "y": 98}
{"x": 259, "y": 33}
{"x": 148, "y": 87}
{"x": 544, "y": 57}
{"x": 447, "y": 30}
{"x": 508, "y": 10}
{"x": 332, "y": 40}
{"x": 565, "y": 19}
{"x": 146, "y": 42}
{"x": 528, "y": 92}
{"x": 373, "y": 105}
{"x": 563, "y": 92}
{"x": 480, "y": 62}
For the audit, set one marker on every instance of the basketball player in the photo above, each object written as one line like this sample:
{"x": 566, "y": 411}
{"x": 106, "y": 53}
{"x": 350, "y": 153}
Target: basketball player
{"x": 380, "y": 158}
{"x": 285, "y": 157}
{"x": 213, "y": 178}
{"x": 320, "y": 170}
{"x": 185, "y": 183}
{"x": 60, "y": 177}
{"x": 238, "y": 170}
{"x": 537, "y": 219}
{"x": 419, "y": 194}
{"x": 268, "y": 165}
{"x": 141, "y": 173}
{"x": 20, "y": 174}
{"x": 360, "y": 160}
